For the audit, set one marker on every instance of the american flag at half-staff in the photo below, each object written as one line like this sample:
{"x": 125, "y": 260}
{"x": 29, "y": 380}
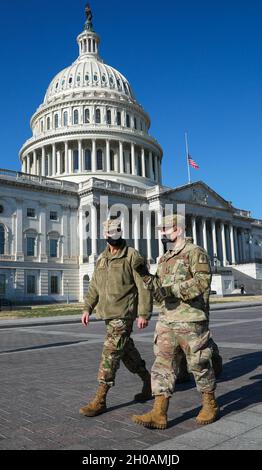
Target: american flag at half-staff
{"x": 190, "y": 161}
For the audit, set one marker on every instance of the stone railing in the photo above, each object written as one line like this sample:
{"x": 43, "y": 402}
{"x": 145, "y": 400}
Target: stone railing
{"x": 111, "y": 185}
{"x": 242, "y": 213}
{"x": 7, "y": 258}
{"x": 39, "y": 180}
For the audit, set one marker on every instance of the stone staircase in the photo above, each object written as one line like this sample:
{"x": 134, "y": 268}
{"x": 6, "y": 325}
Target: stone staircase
{"x": 252, "y": 286}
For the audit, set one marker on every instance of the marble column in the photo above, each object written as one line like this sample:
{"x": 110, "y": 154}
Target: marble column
{"x": 204, "y": 232}
{"x": 160, "y": 244}
{"x": 194, "y": 230}
{"x": 93, "y": 232}
{"x": 148, "y": 237}
{"x": 223, "y": 237}
{"x": 214, "y": 238}
{"x": 232, "y": 244}
{"x": 136, "y": 222}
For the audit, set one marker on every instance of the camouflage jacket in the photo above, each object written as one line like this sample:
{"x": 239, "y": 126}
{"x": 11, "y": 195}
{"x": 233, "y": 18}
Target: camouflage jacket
{"x": 116, "y": 290}
{"x": 187, "y": 270}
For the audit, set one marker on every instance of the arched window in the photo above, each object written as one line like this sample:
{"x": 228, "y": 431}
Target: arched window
{"x": 99, "y": 159}
{"x": 88, "y": 160}
{"x": 87, "y": 116}
{"x": 112, "y": 160}
{"x": 2, "y": 240}
{"x": 76, "y": 117}
{"x": 98, "y": 116}
{"x": 127, "y": 120}
{"x": 108, "y": 117}
{"x": 75, "y": 160}
{"x": 56, "y": 121}
{"x": 65, "y": 118}
{"x": 48, "y": 123}
{"x": 118, "y": 118}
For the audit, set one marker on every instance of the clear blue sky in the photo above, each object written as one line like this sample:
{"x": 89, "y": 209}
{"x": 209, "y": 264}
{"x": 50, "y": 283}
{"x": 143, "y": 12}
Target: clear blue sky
{"x": 193, "y": 65}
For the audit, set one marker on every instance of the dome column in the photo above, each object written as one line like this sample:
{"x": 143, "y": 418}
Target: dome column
{"x": 143, "y": 162}
{"x": 59, "y": 162}
{"x": 121, "y": 157}
{"x": 53, "y": 168}
{"x": 43, "y": 162}
{"x": 34, "y": 163}
{"x": 94, "y": 165}
{"x": 80, "y": 156}
{"x": 66, "y": 158}
{"x": 156, "y": 169}
{"x": 159, "y": 170}
{"x": 133, "y": 160}
{"x": 108, "y": 168}
{"x": 151, "y": 173}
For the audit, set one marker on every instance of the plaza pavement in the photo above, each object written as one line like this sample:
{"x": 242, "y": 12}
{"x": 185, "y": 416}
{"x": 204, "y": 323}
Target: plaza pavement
{"x": 49, "y": 368}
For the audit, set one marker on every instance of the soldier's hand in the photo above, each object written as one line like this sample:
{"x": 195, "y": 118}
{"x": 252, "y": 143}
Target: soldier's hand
{"x": 141, "y": 323}
{"x": 140, "y": 267}
{"x": 85, "y": 318}
{"x": 161, "y": 293}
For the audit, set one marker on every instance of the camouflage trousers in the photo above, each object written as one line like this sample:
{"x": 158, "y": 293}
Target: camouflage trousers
{"x": 194, "y": 339}
{"x": 118, "y": 346}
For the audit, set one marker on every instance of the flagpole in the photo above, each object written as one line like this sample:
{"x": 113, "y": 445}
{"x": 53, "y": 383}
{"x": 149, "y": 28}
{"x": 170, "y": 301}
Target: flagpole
{"x": 187, "y": 155}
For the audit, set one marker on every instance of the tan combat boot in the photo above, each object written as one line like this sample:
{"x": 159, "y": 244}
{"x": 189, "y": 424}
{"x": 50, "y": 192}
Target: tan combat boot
{"x": 157, "y": 418}
{"x": 210, "y": 409}
{"x": 98, "y": 404}
{"x": 146, "y": 393}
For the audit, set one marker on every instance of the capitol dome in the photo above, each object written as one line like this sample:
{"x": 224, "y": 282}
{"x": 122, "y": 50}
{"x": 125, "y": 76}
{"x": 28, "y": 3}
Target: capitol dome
{"x": 90, "y": 124}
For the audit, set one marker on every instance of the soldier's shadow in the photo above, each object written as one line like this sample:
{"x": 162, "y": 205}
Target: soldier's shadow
{"x": 235, "y": 400}
{"x": 236, "y": 367}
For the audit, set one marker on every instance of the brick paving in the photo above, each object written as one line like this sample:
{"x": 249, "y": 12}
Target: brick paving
{"x": 49, "y": 371}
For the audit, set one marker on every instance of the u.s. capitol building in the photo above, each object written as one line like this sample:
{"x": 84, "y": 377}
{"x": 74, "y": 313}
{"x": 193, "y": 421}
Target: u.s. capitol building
{"x": 91, "y": 143}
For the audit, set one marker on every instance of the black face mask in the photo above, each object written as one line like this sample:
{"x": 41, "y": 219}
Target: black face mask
{"x": 165, "y": 240}
{"x": 114, "y": 241}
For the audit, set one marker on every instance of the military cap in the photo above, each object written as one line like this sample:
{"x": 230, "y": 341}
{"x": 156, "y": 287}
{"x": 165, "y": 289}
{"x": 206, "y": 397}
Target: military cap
{"x": 112, "y": 225}
{"x": 171, "y": 220}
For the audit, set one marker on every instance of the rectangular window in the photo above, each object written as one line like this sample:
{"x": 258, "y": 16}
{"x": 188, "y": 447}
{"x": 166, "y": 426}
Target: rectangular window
{"x": 30, "y": 212}
{"x": 31, "y": 284}
{"x": 53, "y": 248}
{"x": 30, "y": 246}
{"x": 54, "y": 285}
{"x": 2, "y": 284}
{"x": 53, "y": 215}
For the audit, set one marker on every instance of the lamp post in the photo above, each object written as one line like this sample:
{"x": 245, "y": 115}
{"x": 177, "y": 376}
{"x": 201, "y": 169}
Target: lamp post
{"x": 67, "y": 292}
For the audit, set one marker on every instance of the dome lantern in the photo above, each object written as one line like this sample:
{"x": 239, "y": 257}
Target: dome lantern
{"x": 88, "y": 40}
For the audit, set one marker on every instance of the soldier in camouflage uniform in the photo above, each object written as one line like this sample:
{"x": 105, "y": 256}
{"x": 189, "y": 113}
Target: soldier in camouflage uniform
{"x": 182, "y": 285}
{"x": 119, "y": 295}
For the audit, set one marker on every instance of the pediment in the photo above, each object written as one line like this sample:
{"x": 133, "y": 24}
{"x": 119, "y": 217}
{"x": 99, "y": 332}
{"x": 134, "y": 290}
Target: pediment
{"x": 200, "y": 193}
